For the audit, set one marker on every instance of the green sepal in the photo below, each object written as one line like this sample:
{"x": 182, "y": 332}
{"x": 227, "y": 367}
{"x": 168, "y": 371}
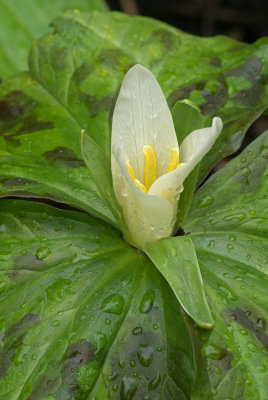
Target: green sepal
{"x": 176, "y": 259}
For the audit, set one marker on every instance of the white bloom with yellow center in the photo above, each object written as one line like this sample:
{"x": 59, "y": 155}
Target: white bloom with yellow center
{"x": 148, "y": 168}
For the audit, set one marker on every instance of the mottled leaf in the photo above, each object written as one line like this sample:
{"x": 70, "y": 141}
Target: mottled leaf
{"x": 22, "y": 21}
{"x": 75, "y": 73}
{"x": 228, "y": 221}
{"x": 84, "y": 315}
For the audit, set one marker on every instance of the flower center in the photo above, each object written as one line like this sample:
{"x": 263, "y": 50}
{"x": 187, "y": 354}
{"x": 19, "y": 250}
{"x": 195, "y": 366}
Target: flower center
{"x": 150, "y": 169}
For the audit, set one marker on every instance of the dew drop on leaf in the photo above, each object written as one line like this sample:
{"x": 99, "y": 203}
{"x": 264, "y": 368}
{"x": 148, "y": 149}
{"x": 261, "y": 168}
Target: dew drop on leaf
{"x": 145, "y": 355}
{"x": 113, "y": 304}
{"x": 154, "y": 382}
{"x": 42, "y": 253}
{"x": 147, "y": 302}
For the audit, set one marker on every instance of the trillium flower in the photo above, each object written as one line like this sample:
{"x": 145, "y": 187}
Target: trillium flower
{"x": 148, "y": 167}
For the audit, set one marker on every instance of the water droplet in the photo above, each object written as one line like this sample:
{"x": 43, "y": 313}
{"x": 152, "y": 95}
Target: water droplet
{"x": 42, "y": 253}
{"x": 206, "y": 201}
{"x": 113, "y": 304}
{"x": 243, "y": 331}
{"x": 147, "y": 302}
{"x": 128, "y": 388}
{"x": 243, "y": 159}
{"x": 55, "y": 323}
{"x": 252, "y": 347}
{"x": 211, "y": 244}
{"x": 155, "y": 326}
{"x": 145, "y": 355}
{"x": 132, "y": 363}
{"x": 107, "y": 321}
{"x": 137, "y": 330}
{"x": 115, "y": 388}
{"x": 112, "y": 377}
{"x": 121, "y": 363}
{"x": 235, "y": 217}
{"x": 154, "y": 382}
{"x": 214, "y": 352}
{"x": 230, "y": 246}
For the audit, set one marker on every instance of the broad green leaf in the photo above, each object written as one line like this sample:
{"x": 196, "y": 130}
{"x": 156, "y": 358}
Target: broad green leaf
{"x": 228, "y": 221}
{"x": 186, "y": 119}
{"x": 22, "y": 21}
{"x": 40, "y": 153}
{"x": 83, "y": 314}
{"x": 75, "y": 74}
{"x": 176, "y": 260}
{"x": 184, "y": 65}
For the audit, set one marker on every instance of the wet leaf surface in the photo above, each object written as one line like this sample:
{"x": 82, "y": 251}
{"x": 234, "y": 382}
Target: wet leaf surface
{"x": 228, "y": 225}
{"x": 75, "y": 74}
{"x": 83, "y": 315}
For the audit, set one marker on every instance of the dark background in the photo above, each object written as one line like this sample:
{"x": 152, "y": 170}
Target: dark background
{"x": 245, "y": 20}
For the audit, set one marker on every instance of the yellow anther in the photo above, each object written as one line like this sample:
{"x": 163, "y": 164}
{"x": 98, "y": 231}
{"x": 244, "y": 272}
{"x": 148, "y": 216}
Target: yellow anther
{"x": 140, "y": 186}
{"x": 150, "y": 171}
{"x": 174, "y": 158}
{"x": 180, "y": 165}
{"x": 130, "y": 171}
{"x": 136, "y": 182}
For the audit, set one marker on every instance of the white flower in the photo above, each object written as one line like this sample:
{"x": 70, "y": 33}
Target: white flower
{"x": 148, "y": 169}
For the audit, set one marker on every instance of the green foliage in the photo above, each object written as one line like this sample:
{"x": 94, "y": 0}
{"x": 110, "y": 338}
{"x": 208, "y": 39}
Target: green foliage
{"x": 22, "y": 21}
{"x": 228, "y": 225}
{"x": 176, "y": 260}
{"x": 83, "y": 314}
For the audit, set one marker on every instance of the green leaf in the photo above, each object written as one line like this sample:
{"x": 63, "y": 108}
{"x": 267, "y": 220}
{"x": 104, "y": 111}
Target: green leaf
{"x": 186, "y": 119}
{"x": 40, "y": 153}
{"x": 75, "y": 74}
{"x": 83, "y": 314}
{"x": 228, "y": 221}
{"x": 176, "y": 260}
{"x": 99, "y": 166}
{"x": 22, "y": 21}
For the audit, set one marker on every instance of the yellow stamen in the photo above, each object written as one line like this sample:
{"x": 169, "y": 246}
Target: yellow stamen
{"x": 140, "y": 186}
{"x": 136, "y": 182}
{"x": 180, "y": 165}
{"x": 174, "y": 158}
{"x": 150, "y": 166}
{"x": 130, "y": 171}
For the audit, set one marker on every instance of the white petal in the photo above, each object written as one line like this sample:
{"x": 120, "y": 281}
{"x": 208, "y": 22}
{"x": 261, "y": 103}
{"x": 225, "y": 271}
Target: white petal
{"x": 199, "y": 142}
{"x": 142, "y": 117}
{"x": 192, "y": 150}
{"x": 141, "y": 211}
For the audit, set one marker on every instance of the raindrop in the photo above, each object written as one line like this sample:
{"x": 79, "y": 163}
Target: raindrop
{"x": 147, "y": 302}
{"x": 113, "y": 304}
{"x": 230, "y": 246}
{"x": 211, "y": 243}
{"x": 154, "y": 382}
{"x": 252, "y": 347}
{"x": 137, "y": 330}
{"x": 112, "y": 377}
{"x": 55, "y": 323}
{"x": 128, "y": 388}
{"x": 121, "y": 364}
{"x": 42, "y": 253}
{"x": 206, "y": 201}
{"x": 235, "y": 217}
{"x": 132, "y": 363}
{"x": 145, "y": 355}
{"x": 107, "y": 321}
{"x": 214, "y": 352}
{"x": 115, "y": 388}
